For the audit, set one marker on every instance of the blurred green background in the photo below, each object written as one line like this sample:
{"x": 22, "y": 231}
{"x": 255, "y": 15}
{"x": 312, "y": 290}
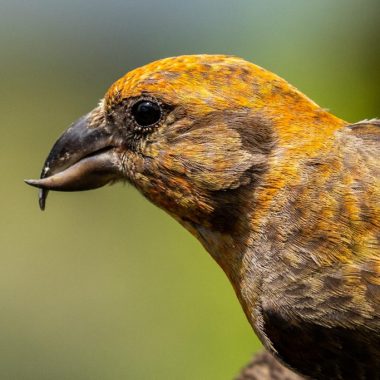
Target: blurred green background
{"x": 104, "y": 285}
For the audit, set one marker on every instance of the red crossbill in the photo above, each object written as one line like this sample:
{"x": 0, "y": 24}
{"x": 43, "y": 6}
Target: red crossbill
{"x": 284, "y": 196}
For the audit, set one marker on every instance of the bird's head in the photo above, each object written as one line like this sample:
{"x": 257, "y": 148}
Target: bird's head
{"x": 187, "y": 132}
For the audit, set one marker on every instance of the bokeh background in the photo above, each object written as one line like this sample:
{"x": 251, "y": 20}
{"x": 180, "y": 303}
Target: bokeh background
{"x": 104, "y": 285}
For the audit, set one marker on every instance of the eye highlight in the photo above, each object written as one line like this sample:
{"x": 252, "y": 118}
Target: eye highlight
{"x": 146, "y": 113}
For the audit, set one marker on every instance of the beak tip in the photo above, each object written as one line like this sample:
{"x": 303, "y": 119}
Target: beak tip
{"x": 31, "y": 182}
{"x": 42, "y": 193}
{"x": 42, "y": 199}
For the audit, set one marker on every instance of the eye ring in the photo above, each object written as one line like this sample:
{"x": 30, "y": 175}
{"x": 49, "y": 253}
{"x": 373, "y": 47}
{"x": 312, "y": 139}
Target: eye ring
{"x": 146, "y": 112}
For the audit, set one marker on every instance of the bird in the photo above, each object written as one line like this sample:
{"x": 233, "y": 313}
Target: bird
{"x": 284, "y": 195}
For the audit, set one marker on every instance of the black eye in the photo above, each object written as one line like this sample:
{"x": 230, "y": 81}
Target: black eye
{"x": 146, "y": 112}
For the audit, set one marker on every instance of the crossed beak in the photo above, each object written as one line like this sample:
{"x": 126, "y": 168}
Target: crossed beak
{"x": 86, "y": 156}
